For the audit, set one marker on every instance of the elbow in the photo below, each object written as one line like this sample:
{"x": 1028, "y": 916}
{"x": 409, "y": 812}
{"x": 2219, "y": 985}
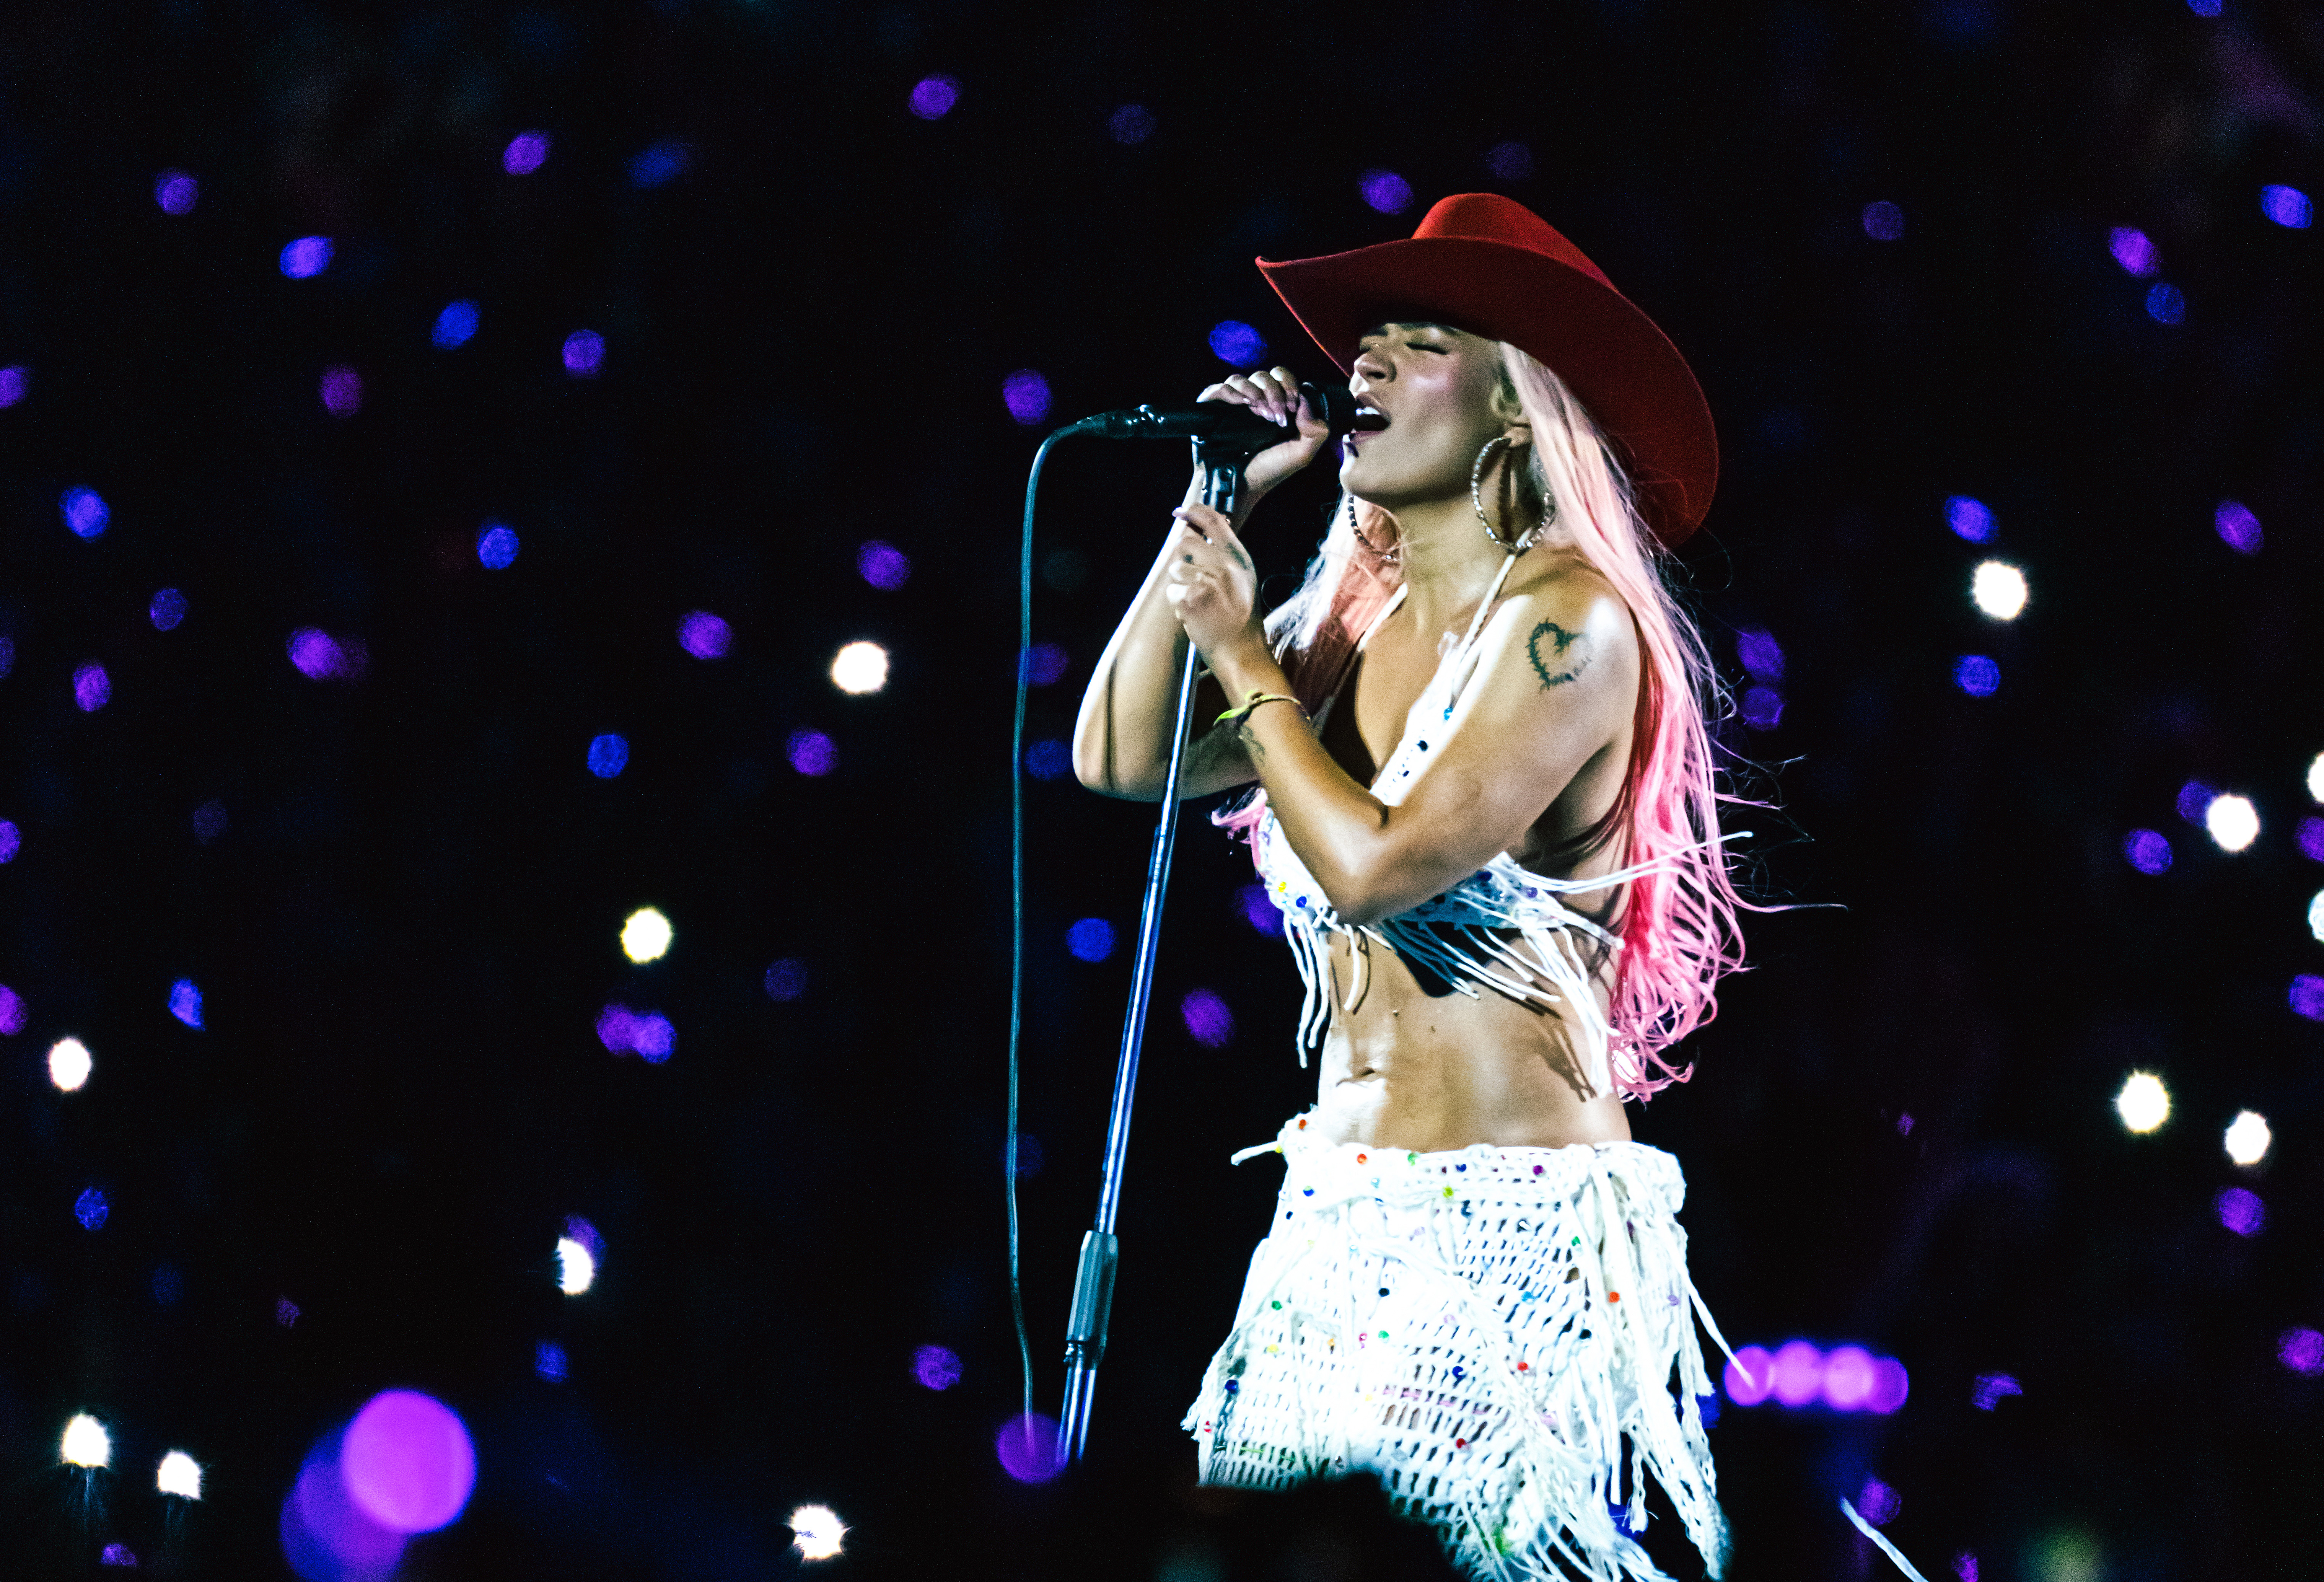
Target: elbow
{"x": 1095, "y": 768}
{"x": 1359, "y": 899}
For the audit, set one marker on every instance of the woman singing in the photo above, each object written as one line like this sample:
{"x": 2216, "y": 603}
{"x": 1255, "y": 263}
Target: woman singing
{"x": 1485, "y": 808}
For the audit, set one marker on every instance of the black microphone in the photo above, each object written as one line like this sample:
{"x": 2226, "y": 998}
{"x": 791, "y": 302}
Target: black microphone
{"x": 1218, "y": 421}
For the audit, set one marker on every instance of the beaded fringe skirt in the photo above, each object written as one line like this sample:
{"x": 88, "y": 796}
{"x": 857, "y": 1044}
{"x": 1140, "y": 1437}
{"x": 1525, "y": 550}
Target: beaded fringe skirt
{"x": 1492, "y": 1332}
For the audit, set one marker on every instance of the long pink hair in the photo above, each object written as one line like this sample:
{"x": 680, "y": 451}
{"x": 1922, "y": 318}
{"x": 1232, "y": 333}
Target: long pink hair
{"x": 1678, "y": 922}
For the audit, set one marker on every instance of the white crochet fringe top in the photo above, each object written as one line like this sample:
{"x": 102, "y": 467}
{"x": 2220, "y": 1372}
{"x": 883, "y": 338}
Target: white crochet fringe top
{"x": 1503, "y": 928}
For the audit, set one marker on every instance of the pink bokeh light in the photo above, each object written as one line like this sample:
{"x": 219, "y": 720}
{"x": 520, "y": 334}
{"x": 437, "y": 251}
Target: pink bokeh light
{"x": 407, "y": 1462}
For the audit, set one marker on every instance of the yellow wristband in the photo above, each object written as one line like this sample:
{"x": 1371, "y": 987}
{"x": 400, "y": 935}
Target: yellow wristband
{"x": 1254, "y": 700}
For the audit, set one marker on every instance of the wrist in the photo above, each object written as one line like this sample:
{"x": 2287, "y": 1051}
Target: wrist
{"x": 1247, "y": 667}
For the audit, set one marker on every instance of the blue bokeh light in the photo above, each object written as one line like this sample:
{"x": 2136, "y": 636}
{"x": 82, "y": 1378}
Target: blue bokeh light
{"x": 1027, "y": 396}
{"x": 548, "y": 1361}
{"x": 2166, "y": 303}
{"x": 176, "y": 192}
{"x": 456, "y": 325}
{"x": 1091, "y": 939}
{"x": 2288, "y": 207}
{"x": 1385, "y": 191}
{"x": 496, "y": 546}
{"x": 1761, "y": 709}
{"x": 186, "y": 1003}
{"x": 660, "y": 164}
{"x": 527, "y": 151}
{"x": 1761, "y": 655}
{"x": 811, "y": 752}
{"x": 786, "y": 980}
{"x": 2237, "y": 528}
{"x": 91, "y": 1209}
{"x": 1044, "y": 664}
{"x": 11, "y": 841}
{"x": 1883, "y": 221}
{"x": 1235, "y": 342}
{"x": 1130, "y": 124}
{"x": 883, "y": 565}
{"x": 933, "y": 98}
{"x": 1969, "y": 518}
{"x": 1977, "y": 675}
{"x": 85, "y": 513}
{"x": 609, "y": 754}
{"x": 1509, "y": 161}
{"x": 1254, "y": 907}
{"x": 937, "y": 1367}
{"x": 584, "y": 354}
{"x": 1049, "y": 760}
{"x": 2148, "y": 850}
{"x": 307, "y": 257}
{"x": 167, "y": 609}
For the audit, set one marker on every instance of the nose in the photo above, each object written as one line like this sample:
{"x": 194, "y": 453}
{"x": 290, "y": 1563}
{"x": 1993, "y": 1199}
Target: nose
{"x": 1369, "y": 366}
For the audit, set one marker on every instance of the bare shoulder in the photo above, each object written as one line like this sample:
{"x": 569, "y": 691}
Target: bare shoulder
{"x": 1568, "y": 626}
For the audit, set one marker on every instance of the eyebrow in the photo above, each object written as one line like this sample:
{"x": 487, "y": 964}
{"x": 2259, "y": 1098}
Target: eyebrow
{"x": 1382, "y": 328}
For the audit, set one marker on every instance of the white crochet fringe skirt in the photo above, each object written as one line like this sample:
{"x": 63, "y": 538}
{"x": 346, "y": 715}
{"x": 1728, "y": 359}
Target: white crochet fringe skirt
{"x": 1485, "y": 1330}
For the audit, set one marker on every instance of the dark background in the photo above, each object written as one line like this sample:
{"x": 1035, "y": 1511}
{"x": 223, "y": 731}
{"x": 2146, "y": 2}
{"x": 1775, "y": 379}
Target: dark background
{"x": 408, "y": 928}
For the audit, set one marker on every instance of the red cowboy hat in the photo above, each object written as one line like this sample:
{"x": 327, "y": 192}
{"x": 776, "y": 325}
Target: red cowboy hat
{"x": 1491, "y": 266}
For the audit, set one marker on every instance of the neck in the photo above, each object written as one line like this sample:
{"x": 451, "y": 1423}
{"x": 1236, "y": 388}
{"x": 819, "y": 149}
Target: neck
{"x": 1448, "y": 563}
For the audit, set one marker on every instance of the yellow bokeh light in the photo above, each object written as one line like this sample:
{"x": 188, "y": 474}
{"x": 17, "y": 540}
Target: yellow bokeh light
{"x": 179, "y": 1474}
{"x": 86, "y": 1443}
{"x": 1998, "y": 590}
{"x": 2248, "y": 1137}
{"x": 816, "y": 1531}
{"x": 2144, "y": 1103}
{"x": 860, "y": 667}
{"x": 70, "y": 1064}
{"x": 2233, "y": 822}
{"x": 645, "y": 936}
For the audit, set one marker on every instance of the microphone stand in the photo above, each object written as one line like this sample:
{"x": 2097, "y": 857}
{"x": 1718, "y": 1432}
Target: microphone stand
{"x": 1222, "y": 464}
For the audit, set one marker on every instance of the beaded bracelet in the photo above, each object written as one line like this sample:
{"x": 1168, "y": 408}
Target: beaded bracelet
{"x": 1255, "y": 699}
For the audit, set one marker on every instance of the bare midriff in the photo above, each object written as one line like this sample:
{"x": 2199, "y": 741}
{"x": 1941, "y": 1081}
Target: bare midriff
{"x": 1426, "y": 1072}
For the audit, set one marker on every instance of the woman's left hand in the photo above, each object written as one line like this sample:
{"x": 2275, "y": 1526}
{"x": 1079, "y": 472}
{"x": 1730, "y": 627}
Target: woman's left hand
{"x": 1213, "y": 588}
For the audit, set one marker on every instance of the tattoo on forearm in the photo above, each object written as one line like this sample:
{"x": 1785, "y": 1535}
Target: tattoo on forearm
{"x": 1568, "y": 656}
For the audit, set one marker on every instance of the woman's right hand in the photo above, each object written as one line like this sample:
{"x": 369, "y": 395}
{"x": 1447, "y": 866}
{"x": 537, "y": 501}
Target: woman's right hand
{"x": 1274, "y": 394}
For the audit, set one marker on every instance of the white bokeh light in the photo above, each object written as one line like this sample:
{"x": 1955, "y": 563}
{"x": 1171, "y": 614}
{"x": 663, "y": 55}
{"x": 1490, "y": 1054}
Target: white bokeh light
{"x": 2144, "y": 1103}
{"x": 645, "y": 936}
{"x": 179, "y": 1474}
{"x": 86, "y": 1443}
{"x": 2248, "y": 1137}
{"x": 2316, "y": 917}
{"x": 70, "y": 1064}
{"x": 2316, "y": 778}
{"x": 859, "y": 668}
{"x": 2233, "y": 822}
{"x": 816, "y": 1531}
{"x": 576, "y": 1266}
{"x": 1998, "y": 589}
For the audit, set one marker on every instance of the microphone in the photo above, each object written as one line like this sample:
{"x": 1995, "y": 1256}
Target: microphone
{"x": 1219, "y": 421}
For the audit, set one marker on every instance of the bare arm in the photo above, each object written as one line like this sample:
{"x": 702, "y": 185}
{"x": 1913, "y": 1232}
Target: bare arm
{"x": 1557, "y": 676}
{"x": 1121, "y": 739}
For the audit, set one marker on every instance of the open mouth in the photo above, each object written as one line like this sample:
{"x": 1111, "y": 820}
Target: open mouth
{"x": 1368, "y": 420}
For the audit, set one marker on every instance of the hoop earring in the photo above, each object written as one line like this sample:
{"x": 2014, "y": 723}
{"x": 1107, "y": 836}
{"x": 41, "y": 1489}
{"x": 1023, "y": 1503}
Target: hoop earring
{"x": 1477, "y": 499}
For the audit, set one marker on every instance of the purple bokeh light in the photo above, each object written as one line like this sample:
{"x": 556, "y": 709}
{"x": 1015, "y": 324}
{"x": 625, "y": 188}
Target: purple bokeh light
{"x": 1385, "y": 192}
{"x": 1762, "y": 709}
{"x": 1027, "y": 396}
{"x": 176, "y": 192}
{"x": 407, "y": 1462}
{"x": 1238, "y": 343}
{"x": 933, "y": 98}
{"x": 936, "y": 1367}
{"x": 186, "y": 1003}
{"x": 584, "y": 354}
{"x": 1759, "y": 652}
{"x": 2307, "y": 996}
{"x": 1044, "y": 664}
{"x": 580, "y": 1230}
{"x": 786, "y": 979}
{"x": 2133, "y": 251}
{"x": 659, "y": 164}
{"x": 705, "y": 635}
{"x": 2302, "y": 1350}
{"x": 1965, "y": 1562}
{"x": 92, "y": 688}
{"x": 1877, "y": 1502}
{"x": 1891, "y": 1385}
{"x": 307, "y": 257}
{"x": 1750, "y": 1376}
{"x": 320, "y": 657}
{"x": 2241, "y": 1211}
{"x": 811, "y": 752}
{"x": 342, "y": 390}
{"x": 456, "y": 325}
{"x": 1254, "y": 907}
{"x": 496, "y": 546}
{"x": 2166, "y": 303}
{"x": 609, "y": 754}
{"x": 1989, "y": 1390}
{"x": 91, "y": 1209}
{"x": 11, "y": 840}
{"x": 167, "y": 609}
{"x": 15, "y": 381}
{"x": 1883, "y": 221}
{"x": 2194, "y": 801}
{"x": 1977, "y": 675}
{"x": 1048, "y": 759}
{"x": 1130, "y": 124}
{"x": 883, "y": 565}
{"x": 12, "y": 1012}
{"x": 1208, "y": 1020}
{"x": 1090, "y": 939}
{"x": 325, "y": 1536}
{"x": 2287, "y": 207}
{"x": 2238, "y": 529}
{"x": 1847, "y": 1377}
{"x": 1969, "y": 518}
{"x": 527, "y": 151}
{"x": 118, "y": 1554}
{"x": 1799, "y": 1374}
{"x": 2147, "y": 851}
{"x": 624, "y": 1031}
{"x": 86, "y": 512}
{"x": 1509, "y": 161}
{"x": 2311, "y": 839}
{"x": 1027, "y": 1448}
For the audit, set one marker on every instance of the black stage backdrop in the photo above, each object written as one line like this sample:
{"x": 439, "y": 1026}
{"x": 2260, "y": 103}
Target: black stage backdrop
{"x": 399, "y": 888}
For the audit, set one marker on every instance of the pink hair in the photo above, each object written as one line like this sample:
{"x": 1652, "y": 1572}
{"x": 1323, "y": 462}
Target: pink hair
{"x": 1678, "y": 924}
